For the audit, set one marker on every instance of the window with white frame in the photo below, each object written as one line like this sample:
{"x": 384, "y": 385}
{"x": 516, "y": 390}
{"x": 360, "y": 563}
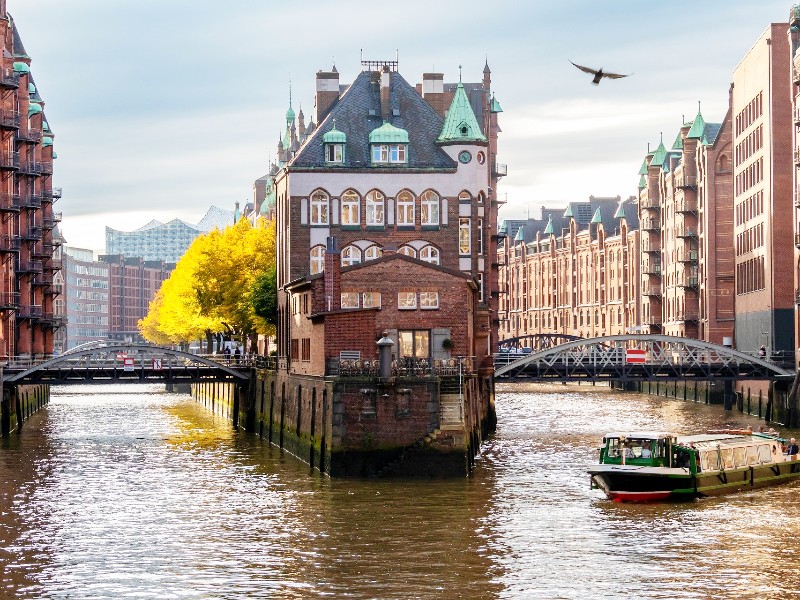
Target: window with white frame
{"x": 371, "y": 299}
{"x": 319, "y": 208}
{"x": 480, "y": 237}
{"x": 464, "y": 197}
{"x": 317, "y": 259}
{"x": 480, "y": 287}
{"x": 334, "y": 153}
{"x": 405, "y": 209}
{"x": 430, "y": 254}
{"x": 406, "y": 300}
{"x": 408, "y": 251}
{"x": 389, "y": 153}
{"x": 429, "y": 300}
{"x": 464, "y": 235}
{"x": 351, "y": 255}
{"x": 373, "y": 252}
{"x": 429, "y": 208}
{"x": 351, "y": 208}
{"x": 375, "y": 205}
{"x": 349, "y": 299}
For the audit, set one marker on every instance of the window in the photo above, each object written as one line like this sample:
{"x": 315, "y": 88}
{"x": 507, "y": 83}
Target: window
{"x": 429, "y": 208}
{"x": 408, "y": 251}
{"x": 371, "y": 299}
{"x": 373, "y": 252}
{"x": 429, "y": 254}
{"x": 480, "y": 237}
{"x": 405, "y": 209}
{"x": 481, "y": 297}
{"x": 349, "y": 299}
{"x": 464, "y": 235}
{"x": 375, "y": 208}
{"x": 305, "y": 349}
{"x": 351, "y": 208}
{"x": 317, "y": 259}
{"x": 334, "y": 153}
{"x": 414, "y": 343}
{"x": 389, "y": 153}
{"x": 464, "y": 197}
{"x": 406, "y": 300}
{"x": 319, "y": 208}
{"x": 351, "y": 255}
{"x": 429, "y": 300}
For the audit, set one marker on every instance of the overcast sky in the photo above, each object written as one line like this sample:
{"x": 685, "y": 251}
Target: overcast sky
{"x": 162, "y": 108}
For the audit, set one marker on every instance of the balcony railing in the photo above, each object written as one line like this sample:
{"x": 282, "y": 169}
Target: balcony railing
{"x": 9, "y": 79}
{"x": 30, "y": 312}
{"x": 688, "y": 255}
{"x": 9, "y": 300}
{"x": 45, "y": 167}
{"x": 9, "y": 202}
{"x": 652, "y": 320}
{"x": 650, "y": 245}
{"x": 687, "y": 315}
{"x": 651, "y": 270}
{"x": 55, "y": 289}
{"x": 685, "y": 232}
{"x": 10, "y": 243}
{"x": 31, "y": 200}
{"x": 33, "y": 232}
{"x": 500, "y": 170}
{"x": 9, "y": 160}
{"x": 653, "y": 290}
{"x": 686, "y": 181}
{"x": 686, "y": 206}
{"x": 688, "y": 281}
{"x": 9, "y": 119}
{"x": 56, "y": 193}
{"x": 31, "y": 136}
{"x": 30, "y": 266}
{"x": 42, "y": 280}
{"x": 651, "y": 225}
{"x": 54, "y": 264}
{"x": 649, "y": 203}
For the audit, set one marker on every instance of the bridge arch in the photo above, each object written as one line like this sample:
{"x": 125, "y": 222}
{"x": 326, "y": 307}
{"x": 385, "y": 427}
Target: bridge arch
{"x": 106, "y": 357}
{"x": 665, "y": 357}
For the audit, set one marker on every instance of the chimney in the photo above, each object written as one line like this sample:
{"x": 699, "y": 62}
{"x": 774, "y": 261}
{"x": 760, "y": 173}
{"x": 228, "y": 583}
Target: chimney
{"x": 433, "y": 91}
{"x": 327, "y": 93}
{"x": 333, "y": 285}
{"x": 386, "y": 82}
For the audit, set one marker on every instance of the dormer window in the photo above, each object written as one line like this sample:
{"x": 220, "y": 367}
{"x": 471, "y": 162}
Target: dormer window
{"x": 334, "y": 142}
{"x": 389, "y": 145}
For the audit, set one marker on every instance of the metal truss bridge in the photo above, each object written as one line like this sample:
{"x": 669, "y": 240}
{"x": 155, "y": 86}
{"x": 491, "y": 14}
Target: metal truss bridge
{"x": 628, "y": 358}
{"x": 127, "y": 363}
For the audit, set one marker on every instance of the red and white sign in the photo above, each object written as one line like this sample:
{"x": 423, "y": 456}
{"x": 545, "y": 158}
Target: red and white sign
{"x": 157, "y": 364}
{"x": 635, "y": 356}
{"x": 128, "y": 365}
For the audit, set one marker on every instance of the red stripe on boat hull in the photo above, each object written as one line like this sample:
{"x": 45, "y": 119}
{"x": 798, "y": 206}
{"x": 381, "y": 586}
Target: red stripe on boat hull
{"x": 638, "y": 496}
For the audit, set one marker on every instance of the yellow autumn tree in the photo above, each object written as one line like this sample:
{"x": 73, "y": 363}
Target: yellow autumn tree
{"x": 209, "y": 291}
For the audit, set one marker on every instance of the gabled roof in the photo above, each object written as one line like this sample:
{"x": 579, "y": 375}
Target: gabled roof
{"x": 460, "y": 124}
{"x": 358, "y": 113}
{"x": 659, "y": 156}
{"x": 698, "y": 127}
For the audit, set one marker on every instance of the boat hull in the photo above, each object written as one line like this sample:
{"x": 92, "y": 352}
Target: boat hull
{"x": 652, "y": 484}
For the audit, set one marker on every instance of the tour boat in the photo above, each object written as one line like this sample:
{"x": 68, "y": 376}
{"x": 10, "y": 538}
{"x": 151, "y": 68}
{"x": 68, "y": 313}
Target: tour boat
{"x": 648, "y": 467}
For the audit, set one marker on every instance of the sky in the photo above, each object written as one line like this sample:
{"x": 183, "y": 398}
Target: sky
{"x": 162, "y": 108}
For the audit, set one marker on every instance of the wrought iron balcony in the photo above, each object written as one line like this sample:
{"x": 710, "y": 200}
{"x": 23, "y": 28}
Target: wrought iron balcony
{"x": 29, "y": 266}
{"x": 686, "y": 206}
{"x": 45, "y": 167}
{"x": 10, "y": 243}
{"x": 688, "y": 255}
{"x": 9, "y": 160}
{"x": 56, "y": 193}
{"x": 9, "y": 80}
{"x": 9, "y": 202}
{"x": 40, "y": 280}
{"x": 653, "y": 290}
{"x": 9, "y": 300}
{"x": 33, "y": 232}
{"x": 55, "y": 289}
{"x": 652, "y": 320}
{"x": 687, "y": 315}
{"x": 649, "y": 203}
{"x": 30, "y": 312}
{"x": 651, "y": 270}
{"x": 686, "y": 232}
{"x": 500, "y": 170}
{"x": 30, "y": 136}
{"x": 688, "y": 281}
{"x": 651, "y": 225}
{"x": 9, "y": 119}
{"x": 31, "y": 200}
{"x": 686, "y": 181}
{"x": 54, "y": 264}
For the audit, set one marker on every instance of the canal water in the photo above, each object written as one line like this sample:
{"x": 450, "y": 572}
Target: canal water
{"x": 129, "y": 492}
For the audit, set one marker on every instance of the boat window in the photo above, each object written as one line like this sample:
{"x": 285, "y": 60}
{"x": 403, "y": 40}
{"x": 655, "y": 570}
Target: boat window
{"x": 727, "y": 458}
{"x": 613, "y": 448}
{"x": 739, "y": 457}
{"x": 752, "y": 455}
{"x": 708, "y": 460}
{"x": 764, "y": 453}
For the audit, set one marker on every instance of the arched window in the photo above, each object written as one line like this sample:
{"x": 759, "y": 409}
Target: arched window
{"x": 319, "y": 208}
{"x": 375, "y": 206}
{"x": 351, "y": 255}
{"x": 317, "y": 259}
{"x": 351, "y": 208}
{"x": 465, "y": 197}
{"x": 429, "y": 208}
{"x": 405, "y": 209}
{"x": 408, "y": 251}
{"x": 430, "y": 254}
{"x": 373, "y": 252}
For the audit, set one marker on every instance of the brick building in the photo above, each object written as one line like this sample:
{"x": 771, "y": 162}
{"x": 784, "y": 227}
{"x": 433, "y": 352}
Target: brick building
{"x": 27, "y": 265}
{"x": 575, "y": 271}
{"x": 86, "y": 297}
{"x": 386, "y": 210}
{"x": 133, "y": 283}
{"x": 794, "y": 61}
{"x": 761, "y": 113}
{"x": 686, "y": 216}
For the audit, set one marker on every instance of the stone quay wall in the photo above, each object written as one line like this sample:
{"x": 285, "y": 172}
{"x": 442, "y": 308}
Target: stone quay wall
{"x": 363, "y": 426}
{"x": 19, "y": 403}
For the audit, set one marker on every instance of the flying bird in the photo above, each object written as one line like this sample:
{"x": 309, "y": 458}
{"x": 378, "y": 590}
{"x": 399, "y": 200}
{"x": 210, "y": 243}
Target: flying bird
{"x": 598, "y": 74}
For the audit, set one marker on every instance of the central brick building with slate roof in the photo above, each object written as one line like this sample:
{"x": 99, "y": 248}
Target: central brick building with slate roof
{"x": 386, "y": 206}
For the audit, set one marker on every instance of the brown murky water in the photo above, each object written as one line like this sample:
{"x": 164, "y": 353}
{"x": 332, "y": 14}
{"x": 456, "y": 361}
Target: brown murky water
{"x": 132, "y": 493}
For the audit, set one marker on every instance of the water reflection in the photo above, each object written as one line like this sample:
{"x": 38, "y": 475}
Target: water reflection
{"x": 144, "y": 494}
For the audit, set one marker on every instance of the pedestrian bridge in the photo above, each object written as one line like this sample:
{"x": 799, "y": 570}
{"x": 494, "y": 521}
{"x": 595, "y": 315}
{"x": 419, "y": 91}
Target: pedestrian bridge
{"x": 630, "y": 358}
{"x": 104, "y": 362}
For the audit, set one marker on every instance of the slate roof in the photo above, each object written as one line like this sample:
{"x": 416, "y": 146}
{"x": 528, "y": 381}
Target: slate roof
{"x": 358, "y": 112}
{"x": 17, "y": 48}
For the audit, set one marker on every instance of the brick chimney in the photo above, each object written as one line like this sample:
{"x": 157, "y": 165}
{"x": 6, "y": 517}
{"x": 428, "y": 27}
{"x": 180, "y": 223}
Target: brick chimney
{"x": 327, "y": 93}
{"x": 386, "y": 84}
{"x": 433, "y": 91}
{"x": 333, "y": 279}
